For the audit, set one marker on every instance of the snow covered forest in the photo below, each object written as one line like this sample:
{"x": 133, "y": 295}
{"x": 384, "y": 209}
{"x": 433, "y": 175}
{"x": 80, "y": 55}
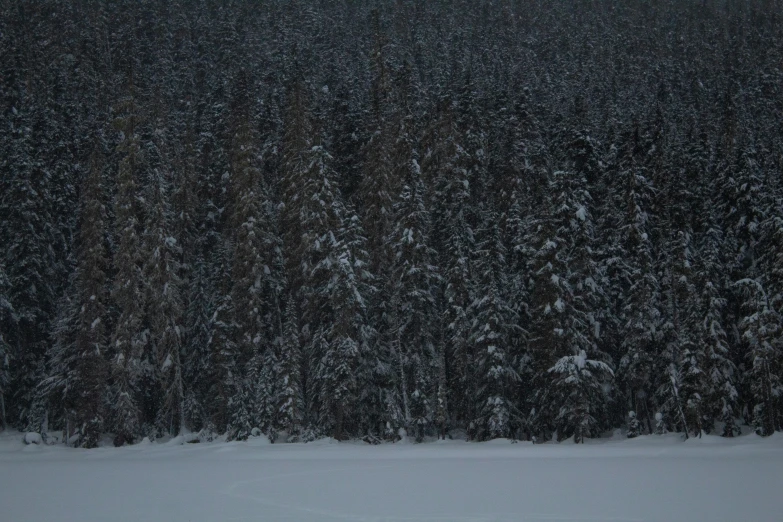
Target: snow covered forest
{"x": 513, "y": 218}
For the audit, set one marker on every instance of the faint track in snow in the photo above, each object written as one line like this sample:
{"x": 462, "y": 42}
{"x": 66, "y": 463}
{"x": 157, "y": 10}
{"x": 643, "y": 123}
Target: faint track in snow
{"x": 231, "y": 492}
{"x": 497, "y": 517}
{"x": 295, "y": 511}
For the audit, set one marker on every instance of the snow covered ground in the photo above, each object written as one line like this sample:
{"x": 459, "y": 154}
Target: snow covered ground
{"x": 645, "y": 479}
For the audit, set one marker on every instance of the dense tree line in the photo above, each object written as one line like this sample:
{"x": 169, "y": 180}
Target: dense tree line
{"x": 515, "y": 218}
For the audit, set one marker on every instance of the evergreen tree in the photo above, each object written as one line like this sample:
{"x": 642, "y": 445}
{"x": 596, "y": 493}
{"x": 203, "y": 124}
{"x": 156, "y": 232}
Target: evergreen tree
{"x": 420, "y": 409}
{"x": 129, "y": 335}
{"x": 494, "y": 324}
{"x": 564, "y": 287}
{"x": 229, "y": 396}
{"x": 442, "y": 406}
{"x": 634, "y": 426}
{"x": 163, "y": 293}
{"x": 199, "y": 374}
{"x": 692, "y": 361}
{"x": 680, "y": 372}
{"x": 290, "y": 406}
{"x": 578, "y": 389}
{"x": 761, "y": 332}
{"x": 693, "y": 387}
{"x": 86, "y": 351}
{"x": 298, "y": 223}
{"x": 631, "y": 258}
{"x": 445, "y": 166}
{"x": 6, "y": 315}
{"x": 255, "y": 273}
{"x": 240, "y": 420}
{"x": 32, "y": 264}
{"x": 721, "y": 402}
{"x": 325, "y": 236}
{"x": 413, "y": 285}
{"x": 61, "y": 363}
{"x": 346, "y": 283}
{"x": 522, "y": 224}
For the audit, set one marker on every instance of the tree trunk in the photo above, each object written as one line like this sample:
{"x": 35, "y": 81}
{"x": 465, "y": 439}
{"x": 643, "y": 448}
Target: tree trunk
{"x": 403, "y": 383}
{"x": 338, "y": 422}
{"x": 647, "y": 418}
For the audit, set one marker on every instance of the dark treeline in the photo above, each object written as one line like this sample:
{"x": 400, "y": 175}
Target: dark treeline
{"x": 516, "y": 218}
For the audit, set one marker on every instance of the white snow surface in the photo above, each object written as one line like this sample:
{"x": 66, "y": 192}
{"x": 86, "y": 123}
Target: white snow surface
{"x": 650, "y": 478}
{"x": 32, "y": 438}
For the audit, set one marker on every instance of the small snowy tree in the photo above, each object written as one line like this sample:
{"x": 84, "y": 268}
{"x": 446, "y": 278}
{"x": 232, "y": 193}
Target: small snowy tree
{"x": 289, "y": 378}
{"x": 577, "y": 388}
{"x": 240, "y": 420}
{"x": 660, "y": 424}
{"x": 441, "y": 407}
{"x": 693, "y": 385}
{"x": 198, "y": 370}
{"x": 671, "y": 403}
{"x": 420, "y": 408}
{"x": 634, "y": 426}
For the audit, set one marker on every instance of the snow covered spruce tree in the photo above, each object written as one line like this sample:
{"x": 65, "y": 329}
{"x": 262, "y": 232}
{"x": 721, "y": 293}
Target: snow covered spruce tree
{"x": 256, "y": 271}
{"x": 414, "y": 280}
{"x": 86, "y": 372}
{"x": 165, "y": 307}
{"x": 298, "y": 240}
{"x": 210, "y": 354}
{"x": 33, "y": 255}
{"x": 6, "y": 315}
{"x": 682, "y": 374}
{"x": 494, "y": 325}
{"x": 631, "y": 256}
{"x": 564, "y": 329}
{"x": 526, "y": 161}
{"x": 289, "y": 406}
{"x": 679, "y": 371}
{"x": 127, "y": 294}
{"x": 324, "y": 238}
{"x": 577, "y": 387}
{"x": 229, "y": 396}
{"x": 389, "y": 153}
{"x": 445, "y": 169}
{"x": 198, "y": 370}
{"x": 722, "y": 393}
{"x": 721, "y": 400}
{"x": 760, "y": 329}
{"x": 341, "y": 372}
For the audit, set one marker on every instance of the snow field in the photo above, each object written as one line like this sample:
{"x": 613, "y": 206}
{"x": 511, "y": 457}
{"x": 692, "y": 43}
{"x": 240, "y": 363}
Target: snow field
{"x": 648, "y": 479}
